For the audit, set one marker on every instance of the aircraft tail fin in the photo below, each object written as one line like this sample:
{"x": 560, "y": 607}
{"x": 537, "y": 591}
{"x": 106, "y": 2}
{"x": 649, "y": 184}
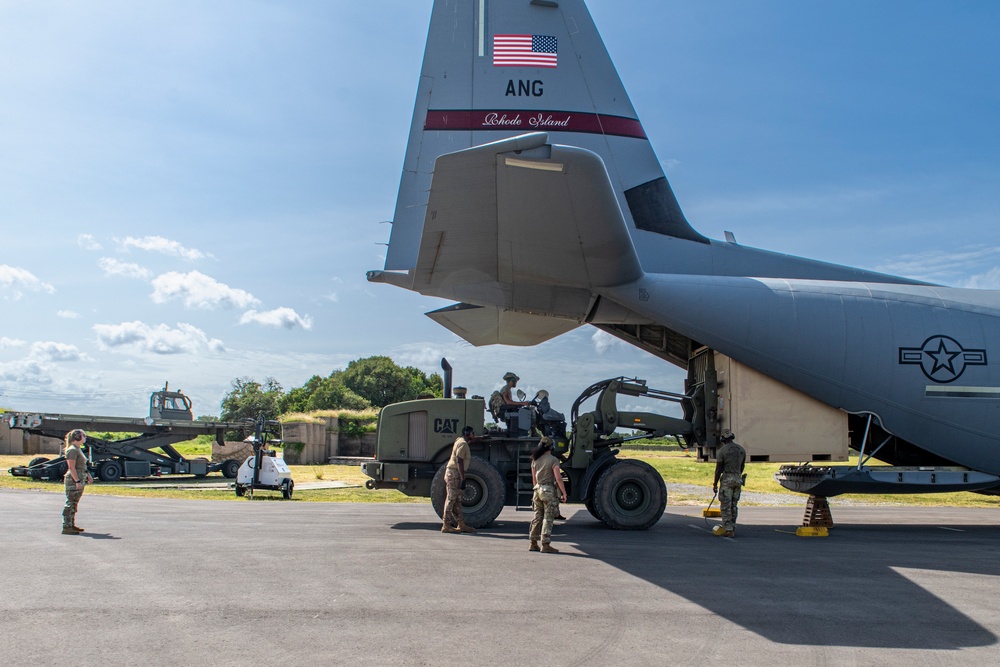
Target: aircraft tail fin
{"x": 494, "y": 69}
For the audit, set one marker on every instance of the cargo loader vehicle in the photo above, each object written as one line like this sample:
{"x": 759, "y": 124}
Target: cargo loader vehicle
{"x": 414, "y": 443}
{"x": 148, "y": 453}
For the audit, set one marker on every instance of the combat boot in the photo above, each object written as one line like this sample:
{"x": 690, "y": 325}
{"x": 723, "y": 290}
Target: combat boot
{"x": 549, "y": 549}
{"x": 534, "y": 546}
{"x": 449, "y": 529}
{"x": 78, "y": 529}
{"x": 68, "y": 530}
{"x": 465, "y": 528}
{"x": 729, "y": 533}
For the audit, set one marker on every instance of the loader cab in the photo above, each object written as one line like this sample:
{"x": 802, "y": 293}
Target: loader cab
{"x": 166, "y": 404}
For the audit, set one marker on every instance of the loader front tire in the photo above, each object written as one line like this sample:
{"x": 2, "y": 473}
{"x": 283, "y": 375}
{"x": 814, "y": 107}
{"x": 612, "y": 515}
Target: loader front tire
{"x": 630, "y": 495}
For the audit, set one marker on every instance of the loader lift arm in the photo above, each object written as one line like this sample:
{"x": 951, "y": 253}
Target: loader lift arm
{"x": 595, "y": 432}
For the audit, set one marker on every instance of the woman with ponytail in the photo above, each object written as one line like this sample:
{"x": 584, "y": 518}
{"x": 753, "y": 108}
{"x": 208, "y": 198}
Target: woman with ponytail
{"x": 76, "y": 479}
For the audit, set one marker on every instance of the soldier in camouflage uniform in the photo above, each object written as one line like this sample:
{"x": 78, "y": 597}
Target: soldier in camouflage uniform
{"x": 76, "y": 479}
{"x": 454, "y": 480}
{"x": 546, "y": 478}
{"x": 730, "y": 460}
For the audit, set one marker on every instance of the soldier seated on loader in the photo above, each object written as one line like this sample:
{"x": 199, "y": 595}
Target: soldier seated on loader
{"x": 502, "y": 404}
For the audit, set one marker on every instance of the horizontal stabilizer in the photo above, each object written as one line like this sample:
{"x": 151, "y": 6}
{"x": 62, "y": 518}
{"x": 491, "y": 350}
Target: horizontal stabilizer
{"x": 523, "y": 225}
{"x": 491, "y": 326}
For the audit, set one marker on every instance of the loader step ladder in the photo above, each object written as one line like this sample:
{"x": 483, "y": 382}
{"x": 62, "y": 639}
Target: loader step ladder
{"x": 523, "y": 488}
{"x": 818, "y": 513}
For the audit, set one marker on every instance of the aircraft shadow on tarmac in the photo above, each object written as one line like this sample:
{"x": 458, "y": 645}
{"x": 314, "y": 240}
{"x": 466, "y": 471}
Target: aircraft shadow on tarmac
{"x": 843, "y": 590}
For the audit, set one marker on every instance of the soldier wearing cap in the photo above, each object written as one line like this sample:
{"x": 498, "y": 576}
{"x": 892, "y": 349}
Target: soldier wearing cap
{"x": 730, "y": 460}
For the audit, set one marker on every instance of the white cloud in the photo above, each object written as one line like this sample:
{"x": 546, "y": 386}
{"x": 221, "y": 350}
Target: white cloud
{"x": 87, "y": 242}
{"x": 52, "y": 351}
{"x": 26, "y": 372}
{"x": 9, "y": 342}
{"x": 987, "y": 280}
{"x": 197, "y": 290}
{"x": 961, "y": 266}
{"x": 279, "y": 317}
{"x": 420, "y": 356}
{"x": 68, "y": 314}
{"x": 113, "y": 267}
{"x": 15, "y": 279}
{"x": 161, "y": 339}
{"x": 161, "y": 245}
{"x": 603, "y": 341}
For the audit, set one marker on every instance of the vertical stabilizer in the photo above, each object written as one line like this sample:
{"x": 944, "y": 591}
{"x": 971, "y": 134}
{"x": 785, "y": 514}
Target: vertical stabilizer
{"x": 494, "y": 69}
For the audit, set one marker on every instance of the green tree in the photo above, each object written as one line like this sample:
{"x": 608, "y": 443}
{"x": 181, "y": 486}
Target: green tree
{"x": 331, "y": 394}
{"x": 296, "y": 399}
{"x": 249, "y": 398}
{"x": 380, "y": 381}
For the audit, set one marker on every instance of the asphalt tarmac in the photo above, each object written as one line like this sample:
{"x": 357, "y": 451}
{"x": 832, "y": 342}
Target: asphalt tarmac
{"x": 182, "y": 582}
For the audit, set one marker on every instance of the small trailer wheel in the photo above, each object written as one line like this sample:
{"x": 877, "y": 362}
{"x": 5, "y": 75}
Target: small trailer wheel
{"x": 230, "y": 468}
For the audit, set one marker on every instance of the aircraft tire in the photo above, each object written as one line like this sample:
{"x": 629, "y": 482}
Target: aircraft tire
{"x": 484, "y": 497}
{"x": 630, "y": 495}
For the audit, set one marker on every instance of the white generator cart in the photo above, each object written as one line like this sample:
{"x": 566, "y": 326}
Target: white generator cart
{"x": 273, "y": 474}
{"x": 264, "y": 470}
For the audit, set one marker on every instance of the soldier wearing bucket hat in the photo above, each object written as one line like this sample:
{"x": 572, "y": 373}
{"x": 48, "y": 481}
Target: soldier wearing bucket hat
{"x": 508, "y": 400}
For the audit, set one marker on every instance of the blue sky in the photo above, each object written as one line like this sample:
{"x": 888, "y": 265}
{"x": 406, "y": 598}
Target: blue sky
{"x": 193, "y": 191}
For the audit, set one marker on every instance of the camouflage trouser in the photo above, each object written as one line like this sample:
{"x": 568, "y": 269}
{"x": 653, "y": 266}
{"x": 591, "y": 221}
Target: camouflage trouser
{"x": 545, "y": 502}
{"x": 453, "y": 501}
{"x": 729, "y": 497}
{"x": 73, "y": 495}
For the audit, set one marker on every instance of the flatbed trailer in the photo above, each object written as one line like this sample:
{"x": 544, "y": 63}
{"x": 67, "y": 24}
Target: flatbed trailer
{"x": 169, "y": 422}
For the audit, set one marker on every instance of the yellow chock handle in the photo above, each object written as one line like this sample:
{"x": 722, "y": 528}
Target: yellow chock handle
{"x": 809, "y": 531}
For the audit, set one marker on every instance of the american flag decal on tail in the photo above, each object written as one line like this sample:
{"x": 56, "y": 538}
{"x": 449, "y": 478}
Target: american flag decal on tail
{"x": 525, "y": 51}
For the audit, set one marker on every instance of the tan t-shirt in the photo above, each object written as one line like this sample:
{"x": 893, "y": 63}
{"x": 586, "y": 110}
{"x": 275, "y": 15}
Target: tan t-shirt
{"x": 75, "y": 458}
{"x": 543, "y": 469}
{"x": 460, "y": 450}
{"x": 731, "y": 457}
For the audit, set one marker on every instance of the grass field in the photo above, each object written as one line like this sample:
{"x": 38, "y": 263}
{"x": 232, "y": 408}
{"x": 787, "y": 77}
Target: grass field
{"x": 676, "y": 467}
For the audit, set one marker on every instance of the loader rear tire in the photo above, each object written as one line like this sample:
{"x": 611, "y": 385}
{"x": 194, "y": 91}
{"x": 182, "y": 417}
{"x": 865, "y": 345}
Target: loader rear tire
{"x": 484, "y": 497}
{"x": 35, "y": 461}
{"x": 630, "y": 495}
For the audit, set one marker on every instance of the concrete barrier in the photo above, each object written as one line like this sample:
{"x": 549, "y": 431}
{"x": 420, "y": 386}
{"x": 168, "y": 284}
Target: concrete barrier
{"x": 17, "y": 442}
{"x": 315, "y": 443}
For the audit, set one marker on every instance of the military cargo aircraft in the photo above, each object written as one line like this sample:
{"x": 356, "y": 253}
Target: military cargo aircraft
{"x": 532, "y": 198}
